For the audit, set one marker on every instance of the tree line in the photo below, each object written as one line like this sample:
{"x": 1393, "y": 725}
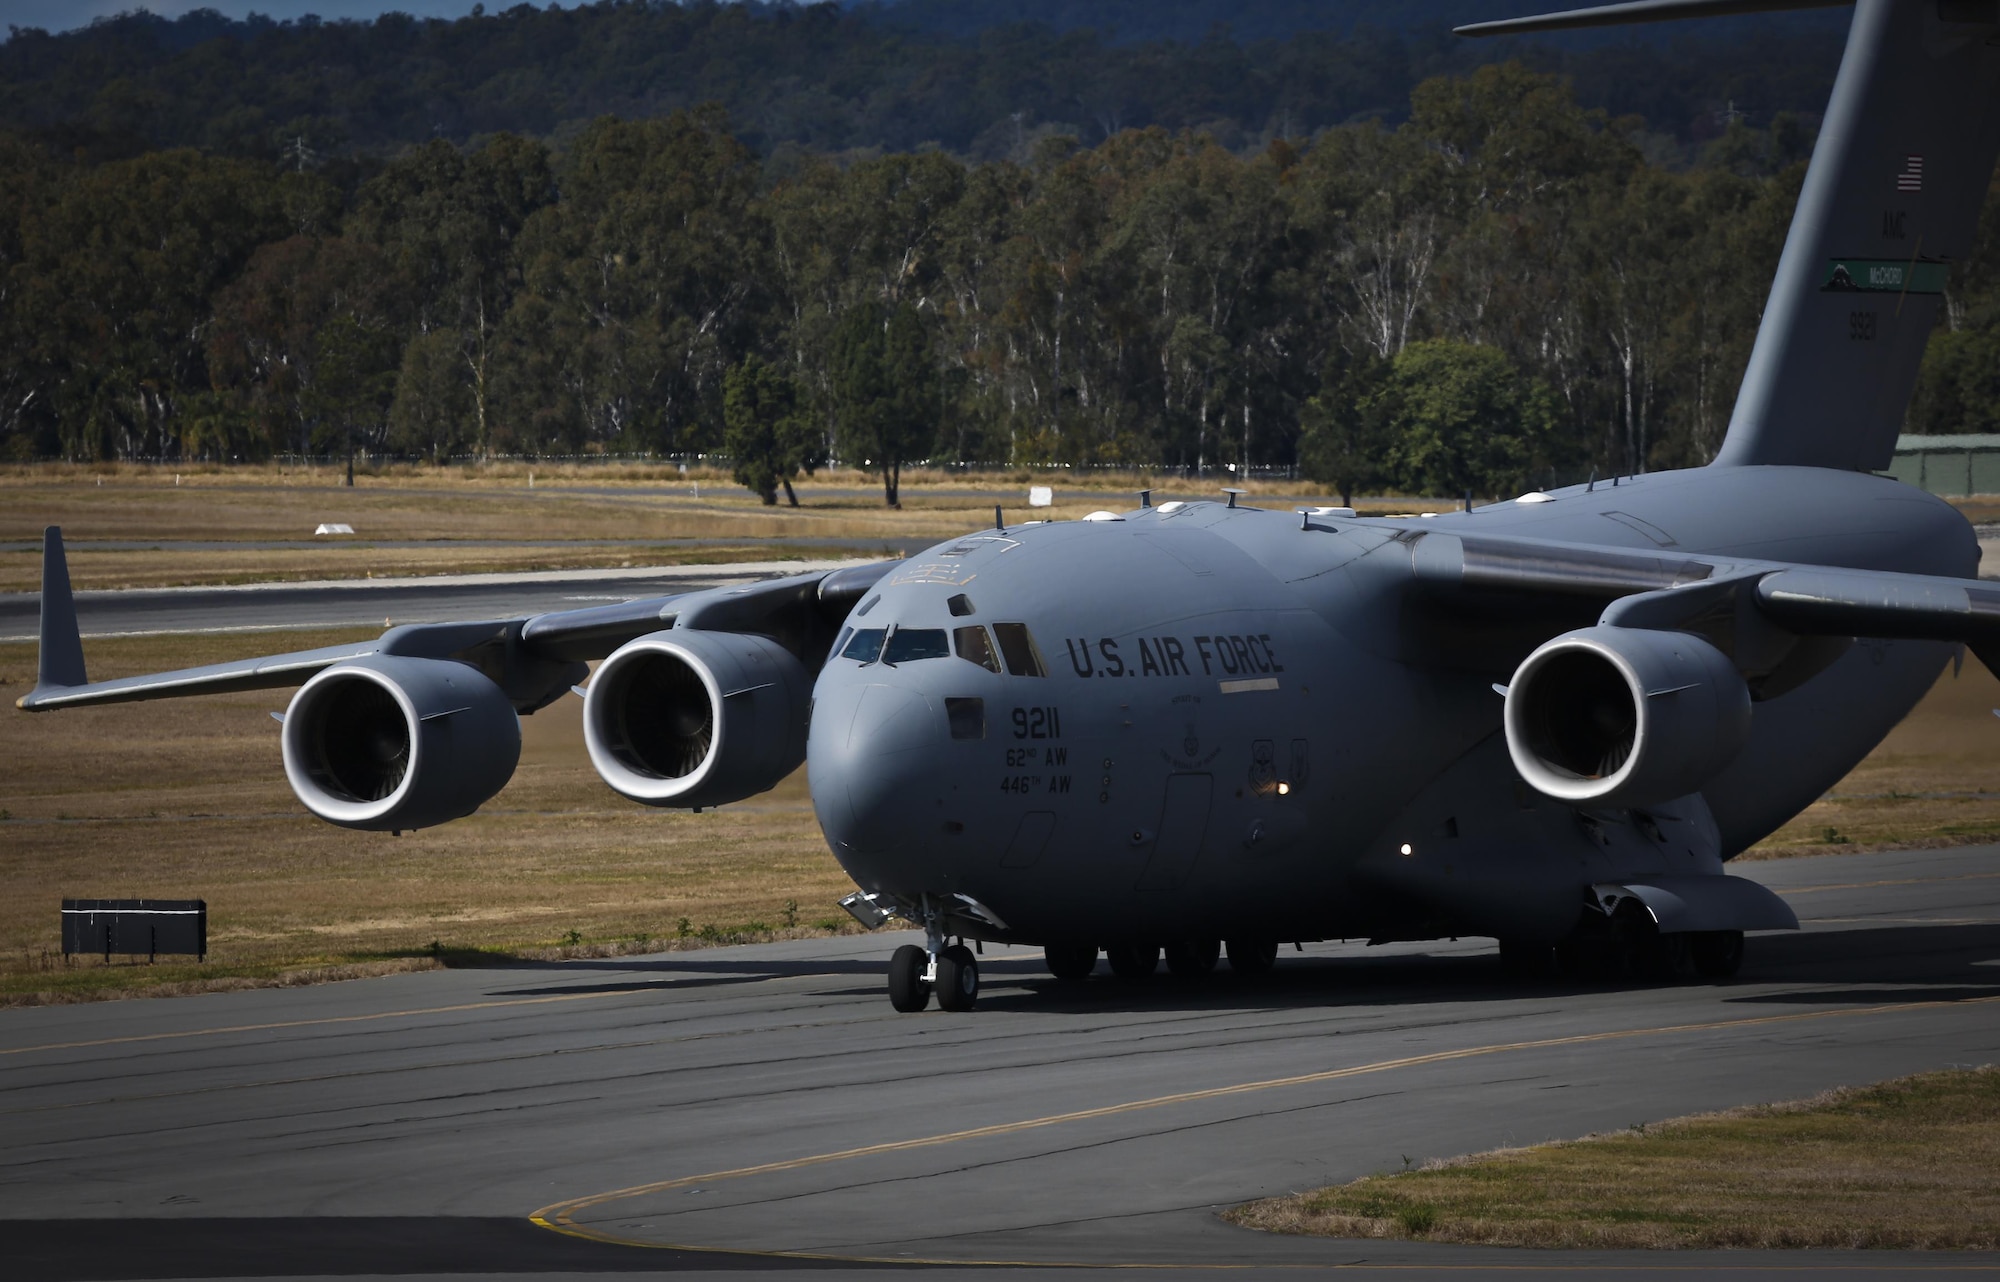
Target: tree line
{"x": 1500, "y": 292}
{"x": 827, "y": 78}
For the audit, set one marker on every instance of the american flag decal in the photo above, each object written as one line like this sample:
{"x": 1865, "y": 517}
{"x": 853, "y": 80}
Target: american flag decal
{"x": 1911, "y": 177}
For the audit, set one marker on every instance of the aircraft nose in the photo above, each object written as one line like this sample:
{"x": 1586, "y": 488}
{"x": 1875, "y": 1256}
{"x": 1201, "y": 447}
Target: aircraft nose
{"x": 870, "y": 751}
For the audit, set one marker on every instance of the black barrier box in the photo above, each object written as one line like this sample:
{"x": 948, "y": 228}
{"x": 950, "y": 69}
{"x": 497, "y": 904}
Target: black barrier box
{"x": 132, "y": 926}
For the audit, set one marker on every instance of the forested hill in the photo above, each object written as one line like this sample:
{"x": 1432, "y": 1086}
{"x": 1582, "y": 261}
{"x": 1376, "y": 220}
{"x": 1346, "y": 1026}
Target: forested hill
{"x": 1361, "y": 254}
{"x": 829, "y": 79}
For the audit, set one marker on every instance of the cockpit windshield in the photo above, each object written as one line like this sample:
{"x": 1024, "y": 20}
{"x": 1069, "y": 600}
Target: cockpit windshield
{"x": 866, "y": 645}
{"x": 907, "y": 645}
{"x": 896, "y": 645}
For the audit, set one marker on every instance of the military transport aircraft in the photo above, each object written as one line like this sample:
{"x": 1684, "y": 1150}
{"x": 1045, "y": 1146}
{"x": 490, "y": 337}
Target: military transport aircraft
{"x": 1551, "y": 720}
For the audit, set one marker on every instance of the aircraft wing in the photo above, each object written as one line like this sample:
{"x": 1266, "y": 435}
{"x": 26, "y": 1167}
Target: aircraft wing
{"x": 1866, "y": 603}
{"x": 533, "y": 658}
{"x": 1693, "y": 592}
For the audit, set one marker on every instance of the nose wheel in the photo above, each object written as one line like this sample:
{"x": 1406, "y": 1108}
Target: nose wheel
{"x": 950, "y": 972}
{"x": 914, "y": 974}
{"x": 909, "y": 979}
{"x": 957, "y": 978}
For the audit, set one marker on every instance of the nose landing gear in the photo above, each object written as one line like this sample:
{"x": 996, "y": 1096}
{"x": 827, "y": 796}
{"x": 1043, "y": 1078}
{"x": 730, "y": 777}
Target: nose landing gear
{"x": 950, "y": 972}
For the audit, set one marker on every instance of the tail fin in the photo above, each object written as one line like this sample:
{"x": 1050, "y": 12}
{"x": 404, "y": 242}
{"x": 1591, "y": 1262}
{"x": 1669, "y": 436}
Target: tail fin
{"x": 61, "y": 658}
{"x": 1891, "y": 199}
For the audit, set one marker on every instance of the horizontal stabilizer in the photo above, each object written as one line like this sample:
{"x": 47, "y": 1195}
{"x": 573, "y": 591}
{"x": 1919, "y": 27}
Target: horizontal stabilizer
{"x": 1614, "y": 15}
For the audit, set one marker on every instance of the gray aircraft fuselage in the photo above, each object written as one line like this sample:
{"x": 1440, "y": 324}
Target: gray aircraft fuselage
{"x": 1199, "y": 656}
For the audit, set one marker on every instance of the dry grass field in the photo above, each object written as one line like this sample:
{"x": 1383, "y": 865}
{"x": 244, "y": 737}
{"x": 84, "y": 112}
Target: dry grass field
{"x": 452, "y": 510}
{"x": 1912, "y": 1164}
{"x": 1935, "y": 781}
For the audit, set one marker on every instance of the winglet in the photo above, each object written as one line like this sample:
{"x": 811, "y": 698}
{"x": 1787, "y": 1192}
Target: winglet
{"x": 62, "y": 642}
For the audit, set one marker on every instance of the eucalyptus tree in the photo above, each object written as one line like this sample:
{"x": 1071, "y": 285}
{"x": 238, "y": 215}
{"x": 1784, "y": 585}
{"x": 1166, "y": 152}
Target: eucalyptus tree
{"x": 447, "y": 221}
{"x": 767, "y": 433}
{"x": 646, "y": 273}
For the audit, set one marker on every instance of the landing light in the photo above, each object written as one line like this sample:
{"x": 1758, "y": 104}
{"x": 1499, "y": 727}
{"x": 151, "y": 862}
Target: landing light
{"x": 1406, "y": 852}
{"x": 1284, "y": 789}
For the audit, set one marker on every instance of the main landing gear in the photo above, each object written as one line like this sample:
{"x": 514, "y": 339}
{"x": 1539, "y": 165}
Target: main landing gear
{"x": 951, "y": 972}
{"x": 1629, "y": 945}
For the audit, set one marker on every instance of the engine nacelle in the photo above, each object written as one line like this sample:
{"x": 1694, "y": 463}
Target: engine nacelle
{"x": 1625, "y": 717}
{"x": 385, "y": 743}
{"x": 688, "y": 718}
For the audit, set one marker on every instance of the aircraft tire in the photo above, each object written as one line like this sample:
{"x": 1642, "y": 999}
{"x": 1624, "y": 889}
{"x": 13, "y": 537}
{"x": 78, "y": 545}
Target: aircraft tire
{"x": 1193, "y": 959}
{"x": 957, "y": 979}
{"x": 1252, "y": 956}
{"x": 1133, "y": 961}
{"x": 1717, "y": 954}
{"x": 1071, "y": 963}
{"x": 1526, "y": 959}
{"x": 1659, "y": 957}
{"x": 1593, "y": 957}
{"x": 908, "y": 992}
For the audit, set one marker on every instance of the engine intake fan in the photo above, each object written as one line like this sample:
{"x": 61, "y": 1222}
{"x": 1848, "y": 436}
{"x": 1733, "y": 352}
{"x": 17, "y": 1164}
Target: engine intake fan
{"x": 384, "y": 743}
{"x": 687, "y": 718}
{"x": 1625, "y": 717}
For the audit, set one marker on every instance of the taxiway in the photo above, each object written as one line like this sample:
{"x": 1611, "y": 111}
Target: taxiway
{"x": 762, "y": 1108}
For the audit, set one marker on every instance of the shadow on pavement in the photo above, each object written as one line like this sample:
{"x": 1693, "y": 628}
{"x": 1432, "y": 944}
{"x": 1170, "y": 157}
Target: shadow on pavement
{"x": 92, "y": 1250}
{"x": 1901, "y": 963}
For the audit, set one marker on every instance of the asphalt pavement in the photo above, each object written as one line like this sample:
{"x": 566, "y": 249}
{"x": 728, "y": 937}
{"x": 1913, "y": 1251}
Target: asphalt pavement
{"x": 762, "y": 1109}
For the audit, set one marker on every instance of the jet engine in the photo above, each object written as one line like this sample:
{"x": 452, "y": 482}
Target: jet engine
{"x": 1625, "y": 717}
{"x": 688, "y": 718}
{"x": 385, "y": 743}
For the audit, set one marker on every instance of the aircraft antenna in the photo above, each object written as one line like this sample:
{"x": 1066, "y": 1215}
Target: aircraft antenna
{"x": 998, "y": 524}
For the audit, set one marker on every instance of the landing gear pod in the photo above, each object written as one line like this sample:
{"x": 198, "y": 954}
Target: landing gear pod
{"x": 384, "y": 743}
{"x": 1625, "y": 717}
{"x": 688, "y": 718}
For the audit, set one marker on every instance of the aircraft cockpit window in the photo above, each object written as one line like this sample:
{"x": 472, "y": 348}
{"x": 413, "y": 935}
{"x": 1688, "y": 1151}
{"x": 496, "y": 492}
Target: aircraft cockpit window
{"x": 840, "y": 642}
{"x": 960, "y": 606}
{"x": 867, "y": 605}
{"x": 1017, "y": 646}
{"x": 972, "y": 644}
{"x": 907, "y": 645}
{"x": 866, "y": 645}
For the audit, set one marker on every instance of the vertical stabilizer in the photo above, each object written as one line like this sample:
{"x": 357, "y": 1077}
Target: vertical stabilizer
{"x": 62, "y": 642}
{"x": 1891, "y": 199}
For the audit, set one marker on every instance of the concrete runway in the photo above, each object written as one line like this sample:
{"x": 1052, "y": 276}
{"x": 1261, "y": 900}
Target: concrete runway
{"x": 369, "y": 602}
{"x": 693, "y": 1113}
